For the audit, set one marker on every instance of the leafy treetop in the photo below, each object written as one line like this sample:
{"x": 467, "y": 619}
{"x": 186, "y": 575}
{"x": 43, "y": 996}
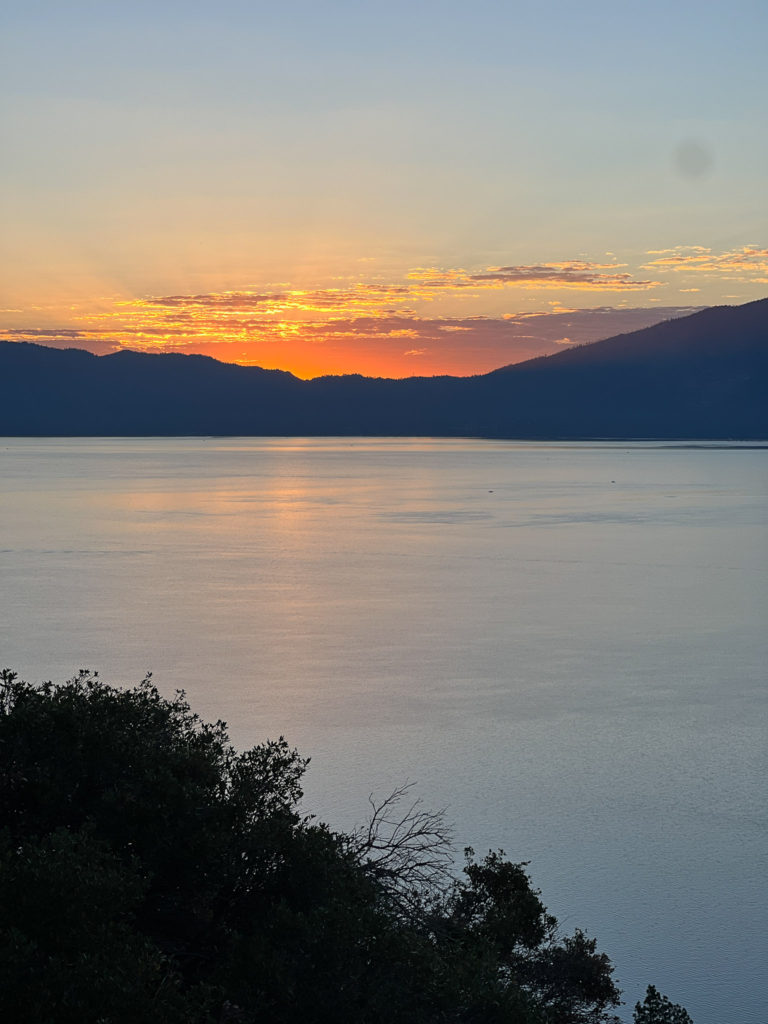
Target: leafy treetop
{"x": 148, "y": 871}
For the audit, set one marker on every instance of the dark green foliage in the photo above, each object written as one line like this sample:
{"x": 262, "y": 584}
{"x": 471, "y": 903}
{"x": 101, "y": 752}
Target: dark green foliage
{"x": 150, "y": 872}
{"x": 69, "y": 950}
{"x": 657, "y": 1009}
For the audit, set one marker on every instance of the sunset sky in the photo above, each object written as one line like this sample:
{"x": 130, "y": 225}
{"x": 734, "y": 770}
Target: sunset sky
{"x": 390, "y": 189}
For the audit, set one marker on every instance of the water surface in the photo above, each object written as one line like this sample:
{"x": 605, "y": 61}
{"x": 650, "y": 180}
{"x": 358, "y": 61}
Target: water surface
{"x": 564, "y": 644}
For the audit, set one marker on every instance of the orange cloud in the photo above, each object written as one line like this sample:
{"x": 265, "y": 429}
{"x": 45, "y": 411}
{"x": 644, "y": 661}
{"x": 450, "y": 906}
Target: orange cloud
{"x": 369, "y": 343}
{"x": 358, "y": 296}
{"x": 263, "y": 316}
{"x": 359, "y": 324}
{"x": 749, "y": 263}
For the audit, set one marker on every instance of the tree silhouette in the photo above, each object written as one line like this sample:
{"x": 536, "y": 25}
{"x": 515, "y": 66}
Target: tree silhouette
{"x": 148, "y": 871}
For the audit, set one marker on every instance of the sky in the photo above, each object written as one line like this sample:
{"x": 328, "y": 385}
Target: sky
{"x": 391, "y": 189}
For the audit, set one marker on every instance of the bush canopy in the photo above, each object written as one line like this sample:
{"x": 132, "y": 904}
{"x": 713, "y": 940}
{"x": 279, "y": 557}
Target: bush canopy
{"x": 149, "y": 872}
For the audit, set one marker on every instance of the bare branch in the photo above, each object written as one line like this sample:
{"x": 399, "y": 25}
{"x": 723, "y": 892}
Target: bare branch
{"x": 409, "y": 849}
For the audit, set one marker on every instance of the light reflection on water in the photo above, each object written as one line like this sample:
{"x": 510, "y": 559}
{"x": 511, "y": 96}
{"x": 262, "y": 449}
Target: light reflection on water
{"x": 564, "y": 644}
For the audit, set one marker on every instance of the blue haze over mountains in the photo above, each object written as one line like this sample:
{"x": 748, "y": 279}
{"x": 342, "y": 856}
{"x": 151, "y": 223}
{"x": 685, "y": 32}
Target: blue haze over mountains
{"x": 701, "y": 376}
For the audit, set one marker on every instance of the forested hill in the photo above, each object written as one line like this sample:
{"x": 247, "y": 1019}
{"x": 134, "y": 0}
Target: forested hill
{"x": 701, "y": 376}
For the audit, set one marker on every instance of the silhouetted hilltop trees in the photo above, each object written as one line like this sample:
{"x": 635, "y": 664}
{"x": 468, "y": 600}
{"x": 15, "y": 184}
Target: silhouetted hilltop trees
{"x": 701, "y": 376}
{"x": 149, "y": 872}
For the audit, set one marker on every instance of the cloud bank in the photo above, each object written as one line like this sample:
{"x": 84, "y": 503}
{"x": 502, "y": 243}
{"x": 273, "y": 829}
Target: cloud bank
{"x": 441, "y": 319}
{"x": 396, "y": 344}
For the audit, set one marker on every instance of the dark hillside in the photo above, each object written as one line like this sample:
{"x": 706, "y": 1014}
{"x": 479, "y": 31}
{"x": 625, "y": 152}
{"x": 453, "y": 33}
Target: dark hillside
{"x": 711, "y": 333}
{"x": 702, "y": 376}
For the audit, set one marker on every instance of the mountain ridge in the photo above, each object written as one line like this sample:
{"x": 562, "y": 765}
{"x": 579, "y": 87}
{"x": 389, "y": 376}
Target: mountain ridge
{"x": 700, "y": 376}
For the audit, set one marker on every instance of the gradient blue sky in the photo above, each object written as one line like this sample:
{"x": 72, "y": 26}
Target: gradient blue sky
{"x": 335, "y": 186}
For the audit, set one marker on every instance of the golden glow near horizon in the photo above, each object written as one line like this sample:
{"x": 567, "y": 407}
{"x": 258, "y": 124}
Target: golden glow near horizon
{"x": 330, "y": 188}
{"x": 429, "y": 320}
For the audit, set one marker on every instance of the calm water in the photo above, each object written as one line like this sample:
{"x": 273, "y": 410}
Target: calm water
{"x": 565, "y": 645}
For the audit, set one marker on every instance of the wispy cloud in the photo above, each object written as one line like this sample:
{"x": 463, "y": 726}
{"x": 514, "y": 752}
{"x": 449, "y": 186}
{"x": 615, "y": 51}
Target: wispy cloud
{"x": 749, "y": 263}
{"x": 360, "y": 308}
{"x": 46, "y": 332}
{"x": 369, "y": 342}
{"x": 567, "y": 275}
{"x": 454, "y": 319}
{"x": 358, "y": 296}
{"x": 573, "y": 274}
{"x": 678, "y": 249}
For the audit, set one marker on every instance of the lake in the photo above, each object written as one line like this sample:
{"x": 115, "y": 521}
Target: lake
{"x": 564, "y": 645}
